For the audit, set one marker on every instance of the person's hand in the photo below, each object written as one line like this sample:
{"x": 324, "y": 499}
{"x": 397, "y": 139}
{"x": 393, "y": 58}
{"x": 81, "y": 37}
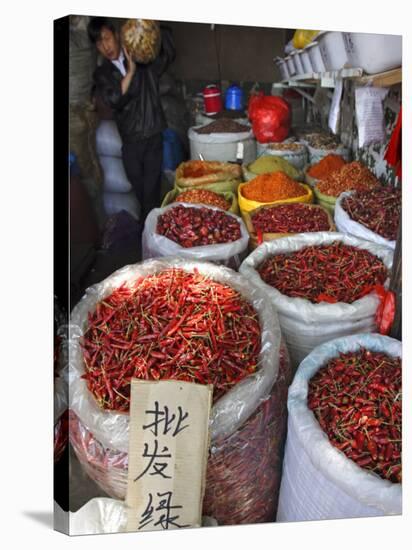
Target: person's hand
{"x": 131, "y": 64}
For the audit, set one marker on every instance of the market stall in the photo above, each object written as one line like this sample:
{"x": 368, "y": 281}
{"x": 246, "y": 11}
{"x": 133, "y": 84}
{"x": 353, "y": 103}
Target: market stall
{"x": 269, "y": 271}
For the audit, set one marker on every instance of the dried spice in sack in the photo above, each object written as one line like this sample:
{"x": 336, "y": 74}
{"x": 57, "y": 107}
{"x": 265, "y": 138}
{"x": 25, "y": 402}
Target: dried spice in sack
{"x": 291, "y": 218}
{"x": 272, "y": 187}
{"x": 203, "y": 196}
{"x": 322, "y": 141}
{"x": 268, "y": 164}
{"x": 200, "y": 168}
{"x": 173, "y": 325}
{"x": 325, "y": 273}
{"x": 326, "y": 166}
{"x": 243, "y": 472}
{"x": 221, "y": 126}
{"x": 286, "y": 147}
{"x": 378, "y": 209}
{"x": 357, "y": 399}
{"x": 353, "y": 176}
{"x": 61, "y": 435}
{"x": 198, "y": 226}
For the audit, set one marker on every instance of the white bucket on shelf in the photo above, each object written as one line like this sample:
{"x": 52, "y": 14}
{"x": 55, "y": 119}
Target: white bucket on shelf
{"x": 333, "y": 49}
{"x": 374, "y": 53}
{"x": 316, "y": 58}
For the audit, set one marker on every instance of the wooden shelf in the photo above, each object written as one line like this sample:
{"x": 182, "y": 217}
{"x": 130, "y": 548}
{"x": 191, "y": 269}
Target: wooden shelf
{"x": 328, "y": 79}
{"x": 388, "y": 78}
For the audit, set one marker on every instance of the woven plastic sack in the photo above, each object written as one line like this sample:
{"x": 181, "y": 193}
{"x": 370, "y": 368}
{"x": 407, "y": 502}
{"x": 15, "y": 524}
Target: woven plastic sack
{"x": 221, "y": 146}
{"x": 345, "y": 224}
{"x": 319, "y": 481}
{"x": 270, "y": 117}
{"x": 246, "y": 205}
{"x": 227, "y": 195}
{"x": 306, "y": 325}
{"x": 315, "y": 155}
{"x": 114, "y": 175}
{"x": 298, "y": 158}
{"x": 202, "y": 174}
{"x": 100, "y": 438}
{"x": 116, "y": 202}
{"x": 157, "y": 246}
{"x": 142, "y": 39}
{"x": 108, "y": 140}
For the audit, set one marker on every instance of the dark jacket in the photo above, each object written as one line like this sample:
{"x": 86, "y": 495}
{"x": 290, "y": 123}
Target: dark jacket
{"x": 138, "y": 113}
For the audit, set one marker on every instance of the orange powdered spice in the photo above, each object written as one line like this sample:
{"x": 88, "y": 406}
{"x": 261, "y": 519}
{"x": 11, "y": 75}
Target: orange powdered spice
{"x": 329, "y": 164}
{"x": 272, "y": 187}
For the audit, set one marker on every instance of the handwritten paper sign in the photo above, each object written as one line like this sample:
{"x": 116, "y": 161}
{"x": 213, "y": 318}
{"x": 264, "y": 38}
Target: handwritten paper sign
{"x": 168, "y": 445}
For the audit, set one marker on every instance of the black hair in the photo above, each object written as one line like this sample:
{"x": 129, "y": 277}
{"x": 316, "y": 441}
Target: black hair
{"x": 95, "y": 26}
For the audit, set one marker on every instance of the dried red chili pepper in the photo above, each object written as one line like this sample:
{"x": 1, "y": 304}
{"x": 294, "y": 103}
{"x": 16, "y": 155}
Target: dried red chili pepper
{"x": 198, "y": 226}
{"x": 377, "y": 209}
{"x": 374, "y": 430}
{"x": 331, "y": 273}
{"x": 291, "y": 218}
{"x": 171, "y": 325}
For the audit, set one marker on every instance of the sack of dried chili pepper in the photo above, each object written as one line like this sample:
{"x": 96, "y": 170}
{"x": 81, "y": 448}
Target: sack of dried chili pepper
{"x": 60, "y": 373}
{"x": 195, "y": 232}
{"x": 327, "y": 479}
{"x": 248, "y": 422}
{"x": 372, "y": 215}
{"x": 317, "y": 273}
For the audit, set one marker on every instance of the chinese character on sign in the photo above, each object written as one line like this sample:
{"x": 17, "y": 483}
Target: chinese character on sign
{"x": 163, "y": 519}
{"x": 163, "y": 416}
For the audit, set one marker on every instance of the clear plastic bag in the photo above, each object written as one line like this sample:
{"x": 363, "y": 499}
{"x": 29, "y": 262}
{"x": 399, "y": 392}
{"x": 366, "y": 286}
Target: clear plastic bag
{"x": 319, "y": 481}
{"x": 155, "y": 245}
{"x": 306, "y": 325}
{"x": 60, "y": 380}
{"x": 100, "y": 437}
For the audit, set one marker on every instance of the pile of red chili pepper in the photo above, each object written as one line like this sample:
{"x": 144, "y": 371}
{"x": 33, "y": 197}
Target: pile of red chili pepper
{"x": 170, "y": 325}
{"x": 197, "y": 226}
{"x": 357, "y": 400}
{"x": 203, "y": 196}
{"x": 291, "y": 218}
{"x": 378, "y": 209}
{"x": 325, "y": 273}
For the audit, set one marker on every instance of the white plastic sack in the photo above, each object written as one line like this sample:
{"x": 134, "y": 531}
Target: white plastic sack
{"x": 345, "y": 224}
{"x": 108, "y": 140}
{"x": 116, "y": 202}
{"x": 221, "y": 146}
{"x": 155, "y": 245}
{"x": 319, "y": 481}
{"x": 114, "y": 175}
{"x": 306, "y": 325}
{"x": 230, "y": 411}
{"x": 105, "y": 515}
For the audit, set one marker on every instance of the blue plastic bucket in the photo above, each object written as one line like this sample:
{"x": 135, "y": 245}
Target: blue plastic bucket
{"x": 234, "y": 98}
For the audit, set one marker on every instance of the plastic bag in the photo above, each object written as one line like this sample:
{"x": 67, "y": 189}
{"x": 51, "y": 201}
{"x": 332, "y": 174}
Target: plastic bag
{"x": 100, "y": 437}
{"x": 270, "y": 116}
{"x": 302, "y": 38}
{"x": 319, "y": 481}
{"x": 306, "y": 325}
{"x": 105, "y": 515}
{"x": 345, "y": 224}
{"x": 116, "y": 202}
{"x": 60, "y": 413}
{"x": 155, "y": 245}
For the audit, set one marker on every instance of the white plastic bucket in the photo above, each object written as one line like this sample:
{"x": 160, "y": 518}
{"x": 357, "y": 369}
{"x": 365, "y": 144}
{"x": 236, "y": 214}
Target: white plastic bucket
{"x": 291, "y": 65}
{"x": 316, "y": 58}
{"x": 298, "y": 63}
{"x": 306, "y": 62}
{"x": 333, "y": 50}
{"x": 374, "y": 53}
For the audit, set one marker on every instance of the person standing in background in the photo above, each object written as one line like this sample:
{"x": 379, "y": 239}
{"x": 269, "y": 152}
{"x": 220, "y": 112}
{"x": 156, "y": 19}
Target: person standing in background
{"x": 132, "y": 91}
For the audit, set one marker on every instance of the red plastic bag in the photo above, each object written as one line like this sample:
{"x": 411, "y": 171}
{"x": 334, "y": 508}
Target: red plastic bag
{"x": 270, "y": 117}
